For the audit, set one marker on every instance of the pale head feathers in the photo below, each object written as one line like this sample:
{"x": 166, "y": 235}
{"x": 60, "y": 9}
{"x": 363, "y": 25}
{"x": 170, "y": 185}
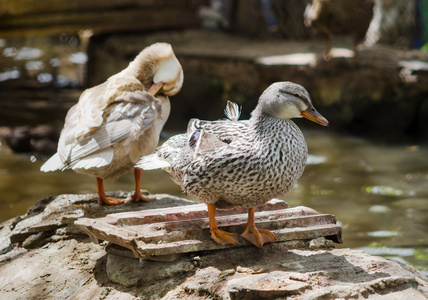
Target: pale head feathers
{"x": 158, "y": 63}
{"x": 283, "y": 100}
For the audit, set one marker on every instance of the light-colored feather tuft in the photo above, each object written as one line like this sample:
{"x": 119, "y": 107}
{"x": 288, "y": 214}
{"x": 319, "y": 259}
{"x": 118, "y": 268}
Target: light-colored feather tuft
{"x": 232, "y": 111}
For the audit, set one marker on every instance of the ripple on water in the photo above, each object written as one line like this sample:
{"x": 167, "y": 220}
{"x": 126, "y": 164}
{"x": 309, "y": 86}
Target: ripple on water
{"x": 384, "y": 233}
{"x": 383, "y": 190}
{"x": 379, "y": 209}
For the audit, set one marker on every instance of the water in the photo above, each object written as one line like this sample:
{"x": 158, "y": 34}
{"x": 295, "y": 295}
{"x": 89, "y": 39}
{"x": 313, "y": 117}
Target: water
{"x": 378, "y": 193}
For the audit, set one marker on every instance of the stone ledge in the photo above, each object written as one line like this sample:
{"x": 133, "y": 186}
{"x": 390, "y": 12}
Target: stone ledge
{"x": 67, "y": 265}
{"x": 29, "y": 18}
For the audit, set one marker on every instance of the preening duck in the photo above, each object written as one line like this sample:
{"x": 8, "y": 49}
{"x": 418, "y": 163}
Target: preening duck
{"x": 115, "y": 123}
{"x": 229, "y": 163}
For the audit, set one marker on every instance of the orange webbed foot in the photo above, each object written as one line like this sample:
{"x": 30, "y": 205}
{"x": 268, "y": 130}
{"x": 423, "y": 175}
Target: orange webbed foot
{"x": 224, "y": 238}
{"x": 143, "y": 198}
{"x": 254, "y": 235}
{"x": 219, "y": 236}
{"x": 137, "y": 174}
{"x": 102, "y": 199}
{"x": 110, "y": 201}
{"x": 258, "y": 237}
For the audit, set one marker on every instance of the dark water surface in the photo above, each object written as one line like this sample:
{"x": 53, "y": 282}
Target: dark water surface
{"x": 378, "y": 193}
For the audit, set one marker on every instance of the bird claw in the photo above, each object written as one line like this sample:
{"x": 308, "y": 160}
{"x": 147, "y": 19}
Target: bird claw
{"x": 142, "y": 198}
{"x": 224, "y": 238}
{"x": 110, "y": 201}
{"x": 258, "y": 237}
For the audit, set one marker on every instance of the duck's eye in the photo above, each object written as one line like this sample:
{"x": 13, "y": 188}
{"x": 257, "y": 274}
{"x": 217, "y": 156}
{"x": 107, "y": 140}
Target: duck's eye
{"x": 296, "y": 95}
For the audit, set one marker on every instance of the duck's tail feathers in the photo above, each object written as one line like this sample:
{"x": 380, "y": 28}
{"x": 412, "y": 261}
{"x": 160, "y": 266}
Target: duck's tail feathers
{"x": 232, "y": 111}
{"x": 152, "y": 162}
{"x": 52, "y": 164}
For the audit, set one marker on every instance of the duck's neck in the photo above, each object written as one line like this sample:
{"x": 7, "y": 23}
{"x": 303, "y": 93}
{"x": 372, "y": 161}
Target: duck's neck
{"x": 266, "y": 127}
{"x": 263, "y": 121}
{"x": 142, "y": 68}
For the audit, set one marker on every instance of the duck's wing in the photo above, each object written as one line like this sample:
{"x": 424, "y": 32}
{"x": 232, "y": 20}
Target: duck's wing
{"x": 93, "y": 102}
{"x": 202, "y": 143}
{"x": 180, "y": 150}
{"x": 124, "y": 120}
{"x": 202, "y": 137}
{"x": 225, "y": 130}
{"x": 67, "y": 138}
{"x": 168, "y": 155}
{"x": 205, "y": 173}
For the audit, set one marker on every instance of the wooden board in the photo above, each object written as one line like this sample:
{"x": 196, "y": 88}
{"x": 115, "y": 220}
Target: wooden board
{"x": 175, "y": 230}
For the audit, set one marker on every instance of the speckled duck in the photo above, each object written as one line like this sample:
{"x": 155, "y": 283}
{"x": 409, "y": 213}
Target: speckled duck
{"x": 230, "y": 163}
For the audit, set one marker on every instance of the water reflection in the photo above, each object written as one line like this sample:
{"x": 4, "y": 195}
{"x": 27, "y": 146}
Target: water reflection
{"x": 379, "y": 194}
{"x": 9, "y": 74}
{"x": 24, "y": 53}
{"x": 56, "y": 61}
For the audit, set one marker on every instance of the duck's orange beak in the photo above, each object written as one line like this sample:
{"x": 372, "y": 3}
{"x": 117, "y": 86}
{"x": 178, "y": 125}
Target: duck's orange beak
{"x": 154, "y": 89}
{"x": 312, "y": 114}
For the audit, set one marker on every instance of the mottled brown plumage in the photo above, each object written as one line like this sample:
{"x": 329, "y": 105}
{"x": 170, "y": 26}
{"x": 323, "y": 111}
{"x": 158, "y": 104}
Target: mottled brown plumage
{"x": 233, "y": 163}
{"x": 339, "y": 17}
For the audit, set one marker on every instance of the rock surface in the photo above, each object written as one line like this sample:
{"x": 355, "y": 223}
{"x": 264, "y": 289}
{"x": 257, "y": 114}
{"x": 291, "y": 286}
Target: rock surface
{"x": 44, "y": 255}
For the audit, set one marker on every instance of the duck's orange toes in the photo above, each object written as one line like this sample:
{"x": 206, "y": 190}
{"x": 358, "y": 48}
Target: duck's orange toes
{"x": 258, "y": 237}
{"x": 223, "y": 238}
{"x": 102, "y": 199}
{"x": 110, "y": 201}
{"x": 139, "y": 197}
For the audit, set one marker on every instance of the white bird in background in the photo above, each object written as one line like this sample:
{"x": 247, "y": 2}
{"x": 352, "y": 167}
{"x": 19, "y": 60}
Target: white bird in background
{"x": 117, "y": 122}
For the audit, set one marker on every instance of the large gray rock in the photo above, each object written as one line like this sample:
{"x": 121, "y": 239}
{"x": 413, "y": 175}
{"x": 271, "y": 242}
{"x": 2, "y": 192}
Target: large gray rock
{"x": 49, "y": 257}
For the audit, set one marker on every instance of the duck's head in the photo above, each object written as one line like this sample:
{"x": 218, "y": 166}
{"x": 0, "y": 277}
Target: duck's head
{"x": 287, "y": 100}
{"x": 158, "y": 68}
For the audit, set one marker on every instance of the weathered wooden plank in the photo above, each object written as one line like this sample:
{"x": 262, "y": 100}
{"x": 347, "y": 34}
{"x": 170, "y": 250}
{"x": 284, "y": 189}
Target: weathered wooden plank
{"x": 175, "y": 230}
{"x": 157, "y": 218}
{"x": 186, "y": 246}
{"x": 104, "y": 21}
{"x": 103, "y": 231}
{"x": 33, "y": 7}
{"x": 233, "y": 223}
{"x": 185, "y": 213}
{"x": 109, "y": 19}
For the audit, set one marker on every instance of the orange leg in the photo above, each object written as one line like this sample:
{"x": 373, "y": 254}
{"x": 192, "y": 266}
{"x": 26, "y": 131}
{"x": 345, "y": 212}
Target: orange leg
{"x": 102, "y": 199}
{"x": 219, "y": 236}
{"x": 254, "y": 235}
{"x": 137, "y": 194}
